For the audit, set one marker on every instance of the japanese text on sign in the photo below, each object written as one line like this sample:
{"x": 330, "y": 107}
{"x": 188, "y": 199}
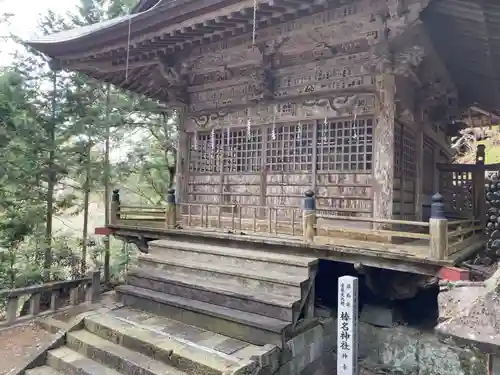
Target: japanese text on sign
{"x": 347, "y": 326}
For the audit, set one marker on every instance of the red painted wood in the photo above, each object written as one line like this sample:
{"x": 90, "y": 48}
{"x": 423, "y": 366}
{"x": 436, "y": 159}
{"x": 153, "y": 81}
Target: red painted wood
{"x": 454, "y": 274}
{"x": 103, "y": 231}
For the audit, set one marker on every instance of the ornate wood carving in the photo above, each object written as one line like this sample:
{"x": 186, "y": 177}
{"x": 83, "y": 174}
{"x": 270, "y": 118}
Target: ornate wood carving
{"x": 263, "y": 74}
{"x": 341, "y": 105}
{"x": 178, "y": 77}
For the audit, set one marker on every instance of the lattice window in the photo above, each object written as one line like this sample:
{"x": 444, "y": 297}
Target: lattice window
{"x": 398, "y": 130}
{"x": 292, "y": 148}
{"x": 409, "y": 152}
{"x": 241, "y": 153}
{"x": 204, "y": 156}
{"x": 345, "y": 145}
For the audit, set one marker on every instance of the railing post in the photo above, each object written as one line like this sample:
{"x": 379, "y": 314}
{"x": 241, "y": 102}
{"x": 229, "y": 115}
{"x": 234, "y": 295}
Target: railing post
{"x": 438, "y": 229}
{"x": 115, "y": 207}
{"x": 171, "y": 215}
{"x": 94, "y": 289}
{"x": 309, "y": 216}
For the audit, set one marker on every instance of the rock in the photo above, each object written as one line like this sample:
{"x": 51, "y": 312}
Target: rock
{"x": 379, "y": 316}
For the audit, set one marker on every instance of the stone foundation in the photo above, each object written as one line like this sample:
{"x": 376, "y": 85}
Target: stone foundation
{"x": 397, "y": 350}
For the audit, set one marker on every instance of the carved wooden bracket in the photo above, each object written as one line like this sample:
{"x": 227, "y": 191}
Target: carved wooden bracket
{"x": 264, "y": 74}
{"x": 178, "y": 77}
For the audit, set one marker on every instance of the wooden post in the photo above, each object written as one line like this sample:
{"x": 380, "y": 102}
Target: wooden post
{"x": 12, "y": 307}
{"x": 114, "y": 216}
{"x": 309, "y": 216}
{"x": 478, "y": 179}
{"x": 171, "y": 215}
{"x": 438, "y": 229}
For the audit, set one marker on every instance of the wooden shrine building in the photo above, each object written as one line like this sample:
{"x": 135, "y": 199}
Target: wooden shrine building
{"x": 351, "y": 99}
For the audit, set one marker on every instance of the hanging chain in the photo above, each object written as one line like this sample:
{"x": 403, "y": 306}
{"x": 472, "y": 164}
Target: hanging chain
{"x": 212, "y": 139}
{"x": 273, "y": 131}
{"x": 254, "y": 31}
{"x": 249, "y": 128}
{"x": 195, "y": 143}
{"x": 354, "y": 133}
{"x": 325, "y": 131}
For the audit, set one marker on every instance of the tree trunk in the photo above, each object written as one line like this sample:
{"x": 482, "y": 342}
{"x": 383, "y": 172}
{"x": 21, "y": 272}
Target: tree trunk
{"x": 51, "y": 181}
{"x": 86, "y": 195}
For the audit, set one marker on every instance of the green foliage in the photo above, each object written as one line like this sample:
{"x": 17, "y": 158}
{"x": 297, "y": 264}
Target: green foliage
{"x": 53, "y": 128}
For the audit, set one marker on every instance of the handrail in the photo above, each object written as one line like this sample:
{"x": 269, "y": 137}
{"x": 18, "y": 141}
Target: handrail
{"x": 89, "y": 285}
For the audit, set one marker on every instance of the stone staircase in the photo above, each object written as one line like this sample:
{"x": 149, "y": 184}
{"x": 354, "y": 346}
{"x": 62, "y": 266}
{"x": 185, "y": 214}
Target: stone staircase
{"x": 200, "y": 309}
{"x": 132, "y": 342}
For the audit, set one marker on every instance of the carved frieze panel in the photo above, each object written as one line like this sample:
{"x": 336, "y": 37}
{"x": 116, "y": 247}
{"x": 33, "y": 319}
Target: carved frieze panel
{"x": 331, "y": 106}
{"x": 310, "y": 79}
{"x": 345, "y": 54}
{"x": 339, "y": 15}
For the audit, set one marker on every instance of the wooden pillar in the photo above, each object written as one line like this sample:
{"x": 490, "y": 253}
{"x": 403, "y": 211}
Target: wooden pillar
{"x": 438, "y": 229}
{"x": 309, "y": 216}
{"x": 114, "y": 214}
{"x": 383, "y": 138}
{"x": 436, "y": 156}
{"x": 181, "y": 168}
{"x": 478, "y": 180}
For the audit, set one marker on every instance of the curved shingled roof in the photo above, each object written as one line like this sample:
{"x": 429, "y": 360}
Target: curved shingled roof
{"x": 105, "y": 28}
{"x": 466, "y": 34}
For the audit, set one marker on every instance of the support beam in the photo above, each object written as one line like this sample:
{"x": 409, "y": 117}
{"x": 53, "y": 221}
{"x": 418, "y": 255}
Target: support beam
{"x": 181, "y": 167}
{"x": 383, "y": 136}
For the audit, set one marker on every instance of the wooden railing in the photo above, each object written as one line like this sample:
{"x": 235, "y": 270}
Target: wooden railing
{"x": 83, "y": 290}
{"x": 248, "y": 218}
{"x": 437, "y": 238}
{"x": 379, "y": 230}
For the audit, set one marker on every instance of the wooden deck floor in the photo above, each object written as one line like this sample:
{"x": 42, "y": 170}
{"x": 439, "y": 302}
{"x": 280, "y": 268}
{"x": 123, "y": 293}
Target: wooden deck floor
{"x": 411, "y": 257}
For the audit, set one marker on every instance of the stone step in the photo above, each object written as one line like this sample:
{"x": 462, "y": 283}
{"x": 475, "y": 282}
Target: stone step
{"x": 262, "y": 280}
{"x": 177, "y": 352}
{"x": 222, "y": 294}
{"x": 252, "y": 328}
{"x": 121, "y": 359}
{"x": 232, "y": 257}
{"x": 70, "y": 362}
{"x": 43, "y": 370}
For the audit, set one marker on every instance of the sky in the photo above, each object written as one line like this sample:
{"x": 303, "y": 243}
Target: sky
{"x": 26, "y": 15}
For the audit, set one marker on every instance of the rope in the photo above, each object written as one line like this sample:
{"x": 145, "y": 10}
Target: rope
{"x": 254, "y": 21}
{"x": 128, "y": 46}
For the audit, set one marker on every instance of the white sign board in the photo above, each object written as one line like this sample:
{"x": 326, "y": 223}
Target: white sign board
{"x": 495, "y": 365}
{"x": 347, "y": 326}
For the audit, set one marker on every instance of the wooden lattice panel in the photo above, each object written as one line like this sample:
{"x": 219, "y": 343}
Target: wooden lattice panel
{"x": 398, "y": 135}
{"x": 428, "y": 178}
{"x": 290, "y": 149}
{"x": 409, "y": 152}
{"x": 243, "y": 151}
{"x": 205, "y": 154}
{"x": 456, "y": 188}
{"x": 275, "y": 166}
{"x": 345, "y": 146}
